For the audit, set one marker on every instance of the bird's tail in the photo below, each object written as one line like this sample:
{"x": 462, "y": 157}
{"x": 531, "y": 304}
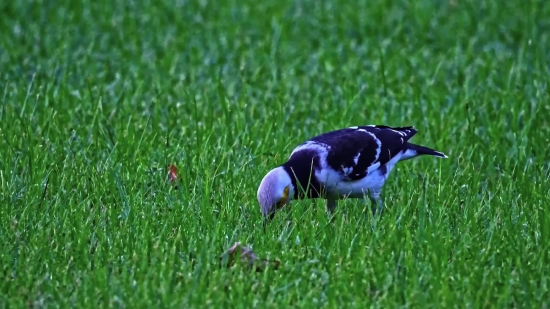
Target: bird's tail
{"x": 417, "y": 150}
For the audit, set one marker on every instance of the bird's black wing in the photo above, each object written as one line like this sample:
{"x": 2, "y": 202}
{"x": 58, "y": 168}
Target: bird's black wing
{"x": 356, "y": 151}
{"x": 392, "y": 139}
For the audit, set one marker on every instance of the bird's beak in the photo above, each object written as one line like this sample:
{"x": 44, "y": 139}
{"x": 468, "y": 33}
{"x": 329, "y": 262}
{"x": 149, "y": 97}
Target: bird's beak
{"x": 282, "y": 202}
{"x": 285, "y": 195}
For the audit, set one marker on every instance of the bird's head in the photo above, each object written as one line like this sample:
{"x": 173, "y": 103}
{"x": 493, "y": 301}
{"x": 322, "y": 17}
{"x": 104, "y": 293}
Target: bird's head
{"x": 275, "y": 191}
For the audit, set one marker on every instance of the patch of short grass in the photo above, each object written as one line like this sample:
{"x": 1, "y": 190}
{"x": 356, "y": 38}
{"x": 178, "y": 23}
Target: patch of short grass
{"x": 98, "y": 98}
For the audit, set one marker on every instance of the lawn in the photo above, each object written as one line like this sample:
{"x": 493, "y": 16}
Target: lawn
{"x": 97, "y": 98}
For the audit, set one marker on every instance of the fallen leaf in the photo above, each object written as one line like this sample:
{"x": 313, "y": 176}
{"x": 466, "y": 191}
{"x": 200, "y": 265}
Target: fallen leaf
{"x": 247, "y": 257}
{"x": 173, "y": 174}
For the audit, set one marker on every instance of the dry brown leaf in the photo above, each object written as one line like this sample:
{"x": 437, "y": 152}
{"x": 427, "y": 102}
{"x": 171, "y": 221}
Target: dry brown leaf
{"x": 247, "y": 257}
{"x": 173, "y": 175}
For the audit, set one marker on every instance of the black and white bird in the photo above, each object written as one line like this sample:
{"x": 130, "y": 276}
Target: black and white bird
{"x": 348, "y": 163}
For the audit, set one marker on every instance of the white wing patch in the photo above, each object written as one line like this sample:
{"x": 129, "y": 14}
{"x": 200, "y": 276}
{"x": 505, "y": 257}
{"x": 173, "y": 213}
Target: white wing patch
{"x": 347, "y": 170}
{"x": 356, "y": 158}
{"x": 375, "y": 166}
{"x": 326, "y": 175}
{"x": 311, "y": 145}
{"x": 373, "y": 181}
{"x": 402, "y": 133}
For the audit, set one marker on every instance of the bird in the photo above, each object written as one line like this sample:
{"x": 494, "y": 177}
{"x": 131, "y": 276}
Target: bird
{"x": 352, "y": 162}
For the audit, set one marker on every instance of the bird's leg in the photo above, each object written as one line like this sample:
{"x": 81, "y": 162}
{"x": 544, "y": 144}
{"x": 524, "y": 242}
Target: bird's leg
{"x": 376, "y": 201}
{"x": 331, "y": 205}
{"x": 376, "y": 206}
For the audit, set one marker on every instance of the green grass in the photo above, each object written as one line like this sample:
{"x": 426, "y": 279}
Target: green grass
{"x": 98, "y": 97}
